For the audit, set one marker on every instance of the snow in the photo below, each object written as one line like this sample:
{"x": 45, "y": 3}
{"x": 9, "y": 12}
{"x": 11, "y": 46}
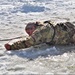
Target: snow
{"x": 14, "y": 15}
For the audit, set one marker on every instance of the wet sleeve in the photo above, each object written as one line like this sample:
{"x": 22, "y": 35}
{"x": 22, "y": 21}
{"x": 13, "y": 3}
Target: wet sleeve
{"x": 18, "y": 45}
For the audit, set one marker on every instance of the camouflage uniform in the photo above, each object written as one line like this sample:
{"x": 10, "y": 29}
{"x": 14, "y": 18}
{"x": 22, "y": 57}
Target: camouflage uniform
{"x": 60, "y": 34}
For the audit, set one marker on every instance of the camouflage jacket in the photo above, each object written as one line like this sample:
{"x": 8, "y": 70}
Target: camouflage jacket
{"x": 59, "y": 34}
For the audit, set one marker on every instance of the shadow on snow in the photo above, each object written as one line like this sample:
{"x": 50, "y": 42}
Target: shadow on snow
{"x": 28, "y": 8}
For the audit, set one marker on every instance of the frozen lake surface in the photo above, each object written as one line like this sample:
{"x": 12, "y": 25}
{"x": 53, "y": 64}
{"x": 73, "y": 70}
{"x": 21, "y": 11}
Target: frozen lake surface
{"x": 14, "y": 15}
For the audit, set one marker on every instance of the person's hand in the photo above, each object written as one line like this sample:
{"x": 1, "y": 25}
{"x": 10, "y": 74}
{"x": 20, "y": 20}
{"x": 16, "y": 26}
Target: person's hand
{"x": 7, "y": 46}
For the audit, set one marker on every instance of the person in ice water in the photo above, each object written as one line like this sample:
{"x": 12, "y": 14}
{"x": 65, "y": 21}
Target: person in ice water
{"x": 46, "y": 32}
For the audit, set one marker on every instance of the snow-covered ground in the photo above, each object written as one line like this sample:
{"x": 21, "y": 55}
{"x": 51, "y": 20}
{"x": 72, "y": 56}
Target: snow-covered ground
{"x": 14, "y": 15}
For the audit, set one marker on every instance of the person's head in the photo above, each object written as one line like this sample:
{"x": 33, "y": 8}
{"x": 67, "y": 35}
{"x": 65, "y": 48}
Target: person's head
{"x": 30, "y": 28}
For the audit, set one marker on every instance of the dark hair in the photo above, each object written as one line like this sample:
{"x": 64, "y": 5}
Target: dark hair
{"x": 30, "y": 24}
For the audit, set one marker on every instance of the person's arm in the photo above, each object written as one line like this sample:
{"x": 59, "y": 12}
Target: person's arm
{"x": 16, "y": 45}
{"x": 30, "y": 41}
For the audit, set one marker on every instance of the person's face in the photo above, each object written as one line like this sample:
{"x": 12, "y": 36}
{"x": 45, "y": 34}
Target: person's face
{"x": 30, "y": 29}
